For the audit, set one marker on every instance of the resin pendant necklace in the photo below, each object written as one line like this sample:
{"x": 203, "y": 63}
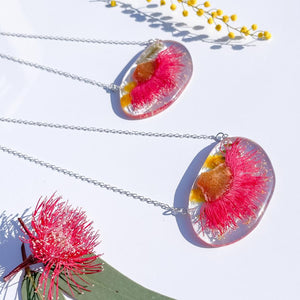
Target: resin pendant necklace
{"x": 227, "y": 198}
{"x": 151, "y": 84}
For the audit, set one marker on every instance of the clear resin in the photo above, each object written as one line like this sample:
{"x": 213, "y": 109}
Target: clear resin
{"x": 231, "y": 192}
{"x": 156, "y": 79}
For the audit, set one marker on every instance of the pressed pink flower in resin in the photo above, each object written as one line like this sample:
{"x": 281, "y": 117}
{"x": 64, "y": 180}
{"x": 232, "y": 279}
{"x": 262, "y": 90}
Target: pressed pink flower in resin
{"x": 63, "y": 240}
{"x": 156, "y": 79}
{"x": 231, "y": 192}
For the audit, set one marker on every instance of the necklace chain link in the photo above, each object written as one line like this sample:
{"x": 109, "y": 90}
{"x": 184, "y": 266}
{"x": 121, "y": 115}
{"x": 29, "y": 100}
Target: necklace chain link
{"x": 167, "y": 208}
{"x": 164, "y": 206}
{"x": 108, "y": 87}
{"x": 74, "y": 39}
{"x": 217, "y": 137}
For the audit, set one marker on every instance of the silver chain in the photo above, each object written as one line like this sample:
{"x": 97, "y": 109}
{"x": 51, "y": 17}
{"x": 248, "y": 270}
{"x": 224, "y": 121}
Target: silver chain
{"x": 108, "y": 87}
{"x": 74, "y": 39}
{"x": 168, "y": 209}
{"x": 164, "y": 206}
{"x": 220, "y": 136}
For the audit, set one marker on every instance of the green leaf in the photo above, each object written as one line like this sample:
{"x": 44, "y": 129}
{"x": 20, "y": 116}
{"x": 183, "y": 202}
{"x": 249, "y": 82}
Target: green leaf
{"x": 29, "y": 289}
{"x": 109, "y": 284}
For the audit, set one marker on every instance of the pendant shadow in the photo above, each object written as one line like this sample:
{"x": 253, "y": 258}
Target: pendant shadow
{"x": 10, "y": 245}
{"x": 181, "y": 198}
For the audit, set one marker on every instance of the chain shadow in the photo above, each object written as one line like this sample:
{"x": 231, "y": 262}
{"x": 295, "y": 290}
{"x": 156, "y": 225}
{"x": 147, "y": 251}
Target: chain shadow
{"x": 181, "y": 198}
{"x": 181, "y": 30}
{"x": 10, "y": 246}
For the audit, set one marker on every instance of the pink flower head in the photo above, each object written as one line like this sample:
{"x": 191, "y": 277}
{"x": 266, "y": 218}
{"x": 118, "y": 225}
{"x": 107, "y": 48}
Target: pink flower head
{"x": 158, "y": 77}
{"x": 63, "y": 240}
{"x": 232, "y": 190}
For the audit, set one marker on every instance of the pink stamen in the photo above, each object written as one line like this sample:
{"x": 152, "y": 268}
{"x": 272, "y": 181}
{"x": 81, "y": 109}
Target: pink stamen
{"x": 242, "y": 199}
{"x": 62, "y": 239}
{"x": 164, "y": 80}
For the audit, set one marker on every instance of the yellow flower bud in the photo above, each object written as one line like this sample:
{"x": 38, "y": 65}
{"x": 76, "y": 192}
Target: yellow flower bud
{"x": 219, "y": 12}
{"x": 225, "y": 19}
{"x": 214, "y": 14}
{"x": 260, "y": 35}
{"x": 206, "y": 4}
{"x": 231, "y": 35}
{"x": 200, "y": 12}
{"x": 233, "y": 17}
{"x": 254, "y": 26}
{"x": 210, "y": 20}
{"x": 244, "y": 29}
{"x": 173, "y": 6}
{"x": 162, "y": 2}
{"x": 218, "y": 27}
{"x": 267, "y": 35}
{"x": 185, "y": 13}
{"x": 113, "y": 3}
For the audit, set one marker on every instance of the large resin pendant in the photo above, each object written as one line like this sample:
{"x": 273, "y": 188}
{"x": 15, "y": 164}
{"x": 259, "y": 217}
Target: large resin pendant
{"x": 231, "y": 192}
{"x": 156, "y": 79}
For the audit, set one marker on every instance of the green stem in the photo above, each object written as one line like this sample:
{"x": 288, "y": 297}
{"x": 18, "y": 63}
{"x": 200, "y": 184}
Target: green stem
{"x": 28, "y": 273}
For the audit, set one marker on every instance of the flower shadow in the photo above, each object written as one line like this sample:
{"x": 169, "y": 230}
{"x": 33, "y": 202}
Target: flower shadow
{"x": 181, "y": 30}
{"x": 181, "y": 198}
{"x": 10, "y": 245}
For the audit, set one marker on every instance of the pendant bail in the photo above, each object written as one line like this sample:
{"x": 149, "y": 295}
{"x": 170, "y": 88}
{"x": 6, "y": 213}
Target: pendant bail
{"x": 221, "y": 136}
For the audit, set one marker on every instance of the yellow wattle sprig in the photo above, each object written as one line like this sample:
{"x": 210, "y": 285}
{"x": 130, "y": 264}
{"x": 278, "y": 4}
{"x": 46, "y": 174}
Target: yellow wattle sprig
{"x": 217, "y": 18}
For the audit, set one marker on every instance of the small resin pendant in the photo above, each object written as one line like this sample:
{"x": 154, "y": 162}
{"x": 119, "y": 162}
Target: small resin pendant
{"x": 156, "y": 79}
{"x": 231, "y": 192}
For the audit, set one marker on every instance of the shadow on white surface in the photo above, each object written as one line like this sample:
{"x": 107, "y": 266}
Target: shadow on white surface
{"x": 185, "y": 32}
{"x": 181, "y": 198}
{"x": 16, "y": 81}
{"x": 10, "y": 247}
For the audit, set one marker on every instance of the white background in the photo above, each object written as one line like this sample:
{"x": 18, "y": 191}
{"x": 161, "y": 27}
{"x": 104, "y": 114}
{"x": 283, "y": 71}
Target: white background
{"x": 250, "y": 89}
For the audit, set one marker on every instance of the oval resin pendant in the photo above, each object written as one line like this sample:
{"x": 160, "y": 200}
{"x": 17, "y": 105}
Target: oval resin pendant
{"x": 231, "y": 192}
{"x": 156, "y": 79}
